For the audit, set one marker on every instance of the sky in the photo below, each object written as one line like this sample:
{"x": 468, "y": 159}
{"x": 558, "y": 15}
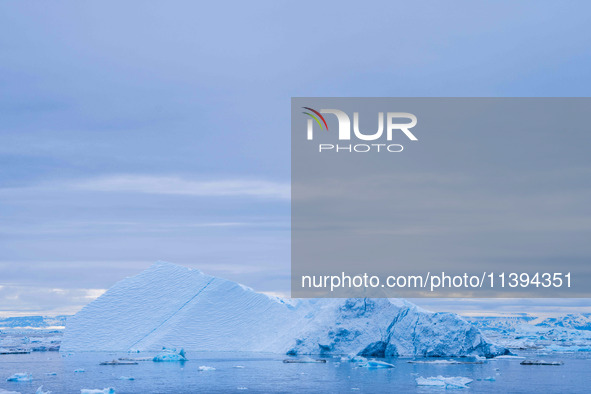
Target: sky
{"x": 142, "y": 131}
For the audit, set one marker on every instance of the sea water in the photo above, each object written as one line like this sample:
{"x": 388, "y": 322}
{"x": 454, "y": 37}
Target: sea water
{"x": 266, "y": 373}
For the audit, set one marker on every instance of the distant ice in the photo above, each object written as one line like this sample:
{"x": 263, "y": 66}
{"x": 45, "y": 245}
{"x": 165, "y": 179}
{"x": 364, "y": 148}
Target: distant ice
{"x": 206, "y": 368}
{"x": 567, "y": 333}
{"x": 451, "y": 382}
{"x": 568, "y": 349}
{"x": 126, "y": 378}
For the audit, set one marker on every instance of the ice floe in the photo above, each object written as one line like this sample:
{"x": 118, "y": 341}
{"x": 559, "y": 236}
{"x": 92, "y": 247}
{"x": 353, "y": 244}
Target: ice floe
{"x": 108, "y": 390}
{"x": 170, "y": 355}
{"x": 448, "y": 382}
{"x": 20, "y": 377}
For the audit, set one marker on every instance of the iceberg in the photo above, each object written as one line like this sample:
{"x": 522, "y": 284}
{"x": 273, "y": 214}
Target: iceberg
{"x": 173, "y": 306}
{"x": 375, "y": 364}
{"x": 108, "y": 390}
{"x": 205, "y": 368}
{"x": 20, "y": 377}
{"x": 451, "y": 382}
{"x": 40, "y": 391}
{"x": 170, "y": 355}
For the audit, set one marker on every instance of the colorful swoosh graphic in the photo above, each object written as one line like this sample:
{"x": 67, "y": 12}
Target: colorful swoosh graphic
{"x": 315, "y": 118}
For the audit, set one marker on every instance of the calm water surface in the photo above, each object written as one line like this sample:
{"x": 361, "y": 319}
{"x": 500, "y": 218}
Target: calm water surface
{"x": 264, "y": 373}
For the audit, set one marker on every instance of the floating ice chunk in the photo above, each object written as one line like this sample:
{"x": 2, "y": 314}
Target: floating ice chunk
{"x": 303, "y": 360}
{"x": 540, "y": 362}
{"x": 508, "y": 358}
{"x": 80, "y": 370}
{"x": 40, "y": 391}
{"x": 50, "y": 374}
{"x": 241, "y": 388}
{"x": 444, "y": 362}
{"x": 170, "y": 355}
{"x": 490, "y": 378}
{"x": 449, "y": 382}
{"x": 433, "y": 362}
{"x": 206, "y": 368}
{"x": 126, "y": 378}
{"x": 118, "y": 362}
{"x": 358, "y": 359}
{"x": 20, "y": 377}
{"x": 136, "y": 358}
{"x": 375, "y": 364}
{"x": 238, "y": 366}
{"x": 108, "y": 390}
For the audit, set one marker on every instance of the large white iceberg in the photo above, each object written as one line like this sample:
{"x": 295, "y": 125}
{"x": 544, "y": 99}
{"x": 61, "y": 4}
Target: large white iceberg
{"x": 173, "y": 306}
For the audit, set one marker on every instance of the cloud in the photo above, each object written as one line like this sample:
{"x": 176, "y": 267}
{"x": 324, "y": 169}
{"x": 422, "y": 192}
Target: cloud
{"x": 33, "y": 300}
{"x": 176, "y": 185}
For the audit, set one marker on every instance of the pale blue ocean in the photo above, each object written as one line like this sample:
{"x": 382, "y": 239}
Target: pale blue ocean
{"x": 264, "y": 373}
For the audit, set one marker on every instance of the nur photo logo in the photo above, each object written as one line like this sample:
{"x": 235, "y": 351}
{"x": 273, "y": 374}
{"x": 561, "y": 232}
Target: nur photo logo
{"x": 389, "y": 125}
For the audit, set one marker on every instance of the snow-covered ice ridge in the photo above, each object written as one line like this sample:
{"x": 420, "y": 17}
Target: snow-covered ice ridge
{"x": 33, "y": 322}
{"x": 566, "y": 333}
{"x": 173, "y": 306}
